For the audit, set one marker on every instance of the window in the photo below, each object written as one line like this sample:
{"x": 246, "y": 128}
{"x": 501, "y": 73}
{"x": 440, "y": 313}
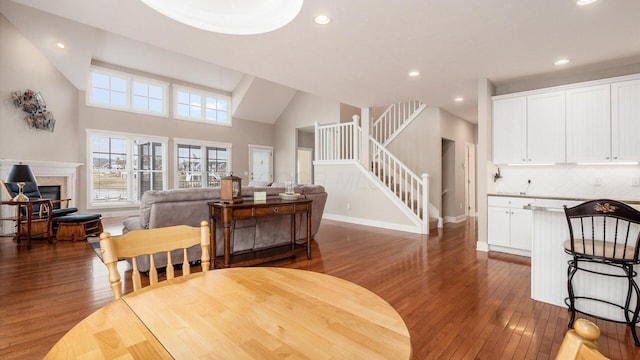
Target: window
{"x": 201, "y": 164}
{"x": 198, "y": 105}
{"x": 123, "y": 167}
{"x": 127, "y": 92}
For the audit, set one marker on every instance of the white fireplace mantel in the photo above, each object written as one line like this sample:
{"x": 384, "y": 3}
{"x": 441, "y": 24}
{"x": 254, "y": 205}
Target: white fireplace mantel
{"x": 67, "y": 170}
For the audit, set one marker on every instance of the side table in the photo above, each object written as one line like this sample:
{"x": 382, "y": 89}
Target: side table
{"x": 29, "y": 221}
{"x": 227, "y": 213}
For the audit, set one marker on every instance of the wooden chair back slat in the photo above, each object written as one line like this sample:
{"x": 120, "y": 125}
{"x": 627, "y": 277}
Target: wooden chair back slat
{"x": 152, "y": 241}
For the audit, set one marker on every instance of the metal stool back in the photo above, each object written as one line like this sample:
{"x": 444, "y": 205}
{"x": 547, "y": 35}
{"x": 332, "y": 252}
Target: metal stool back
{"x": 604, "y": 240}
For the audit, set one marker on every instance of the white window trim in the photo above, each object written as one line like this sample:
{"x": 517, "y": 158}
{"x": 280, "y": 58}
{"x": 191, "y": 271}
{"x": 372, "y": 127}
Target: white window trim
{"x": 130, "y": 137}
{"x": 130, "y": 78}
{"x": 203, "y": 94}
{"x": 203, "y": 145}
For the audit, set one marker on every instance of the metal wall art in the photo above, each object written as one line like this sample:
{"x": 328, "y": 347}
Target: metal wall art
{"x": 33, "y": 103}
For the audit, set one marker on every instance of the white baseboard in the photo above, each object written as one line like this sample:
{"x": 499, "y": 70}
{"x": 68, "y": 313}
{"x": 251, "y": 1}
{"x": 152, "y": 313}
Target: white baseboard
{"x": 454, "y": 219}
{"x": 367, "y": 222}
{"x": 482, "y": 246}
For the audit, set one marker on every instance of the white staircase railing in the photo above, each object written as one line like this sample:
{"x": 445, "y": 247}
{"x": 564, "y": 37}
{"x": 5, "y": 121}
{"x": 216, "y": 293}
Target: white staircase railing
{"x": 343, "y": 142}
{"x": 394, "y": 119}
{"x": 338, "y": 141}
{"x": 407, "y": 186}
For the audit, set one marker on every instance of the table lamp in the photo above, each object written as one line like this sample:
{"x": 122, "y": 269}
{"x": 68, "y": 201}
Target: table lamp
{"x": 20, "y": 174}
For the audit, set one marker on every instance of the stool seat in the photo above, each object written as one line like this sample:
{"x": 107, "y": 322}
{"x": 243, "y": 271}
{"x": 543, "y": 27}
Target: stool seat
{"x": 78, "y": 218}
{"x": 78, "y": 226}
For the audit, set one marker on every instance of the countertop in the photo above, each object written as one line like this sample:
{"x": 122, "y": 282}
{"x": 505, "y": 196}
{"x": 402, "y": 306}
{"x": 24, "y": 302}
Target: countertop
{"x": 525, "y": 196}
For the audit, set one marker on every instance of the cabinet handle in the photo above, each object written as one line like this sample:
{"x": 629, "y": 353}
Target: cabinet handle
{"x": 607, "y": 158}
{"x": 523, "y": 160}
{"x": 615, "y": 158}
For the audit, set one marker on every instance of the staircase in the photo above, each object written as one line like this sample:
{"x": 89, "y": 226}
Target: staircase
{"x": 342, "y": 142}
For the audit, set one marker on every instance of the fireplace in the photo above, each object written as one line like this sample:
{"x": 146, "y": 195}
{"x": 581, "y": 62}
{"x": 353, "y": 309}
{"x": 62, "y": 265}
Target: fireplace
{"x": 51, "y": 192}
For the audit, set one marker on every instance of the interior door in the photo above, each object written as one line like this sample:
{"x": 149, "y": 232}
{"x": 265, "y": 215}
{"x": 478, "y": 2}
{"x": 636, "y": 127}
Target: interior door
{"x": 305, "y": 166}
{"x": 260, "y": 163}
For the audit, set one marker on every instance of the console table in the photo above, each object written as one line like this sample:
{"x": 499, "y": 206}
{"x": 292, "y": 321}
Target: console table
{"x": 227, "y": 213}
{"x": 26, "y": 225}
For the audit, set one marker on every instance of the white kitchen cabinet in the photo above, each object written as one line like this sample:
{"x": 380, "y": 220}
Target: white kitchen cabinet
{"x": 589, "y": 124}
{"x": 529, "y": 129}
{"x": 509, "y": 225}
{"x": 546, "y": 128}
{"x": 625, "y": 120}
{"x": 509, "y": 130}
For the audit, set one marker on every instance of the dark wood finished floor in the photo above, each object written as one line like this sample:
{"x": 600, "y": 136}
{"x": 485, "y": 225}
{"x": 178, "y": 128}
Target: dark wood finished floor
{"x": 458, "y": 303}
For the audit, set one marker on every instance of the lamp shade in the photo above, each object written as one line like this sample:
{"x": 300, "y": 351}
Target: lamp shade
{"x": 20, "y": 173}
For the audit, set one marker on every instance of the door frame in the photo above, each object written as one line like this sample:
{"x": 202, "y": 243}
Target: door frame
{"x": 252, "y": 148}
{"x": 310, "y": 151}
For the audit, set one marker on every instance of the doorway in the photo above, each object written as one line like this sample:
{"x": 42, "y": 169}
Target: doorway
{"x": 260, "y": 163}
{"x": 305, "y": 166}
{"x": 448, "y": 180}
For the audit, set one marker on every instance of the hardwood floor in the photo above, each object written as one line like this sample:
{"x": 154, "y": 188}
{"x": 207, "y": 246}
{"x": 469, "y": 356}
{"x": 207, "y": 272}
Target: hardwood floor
{"x": 458, "y": 303}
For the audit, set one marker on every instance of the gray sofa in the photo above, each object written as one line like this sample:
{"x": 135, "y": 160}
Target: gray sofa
{"x": 189, "y": 207}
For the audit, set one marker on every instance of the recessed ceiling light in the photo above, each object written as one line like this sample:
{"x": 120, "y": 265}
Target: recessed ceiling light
{"x": 560, "y": 62}
{"x": 230, "y": 17}
{"x": 322, "y": 19}
{"x": 585, "y": 2}
{"x": 60, "y": 45}
{"x": 414, "y": 73}
{"x": 459, "y": 99}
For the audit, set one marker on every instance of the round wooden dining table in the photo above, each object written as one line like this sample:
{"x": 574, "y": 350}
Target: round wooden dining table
{"x": 242, "y": 313}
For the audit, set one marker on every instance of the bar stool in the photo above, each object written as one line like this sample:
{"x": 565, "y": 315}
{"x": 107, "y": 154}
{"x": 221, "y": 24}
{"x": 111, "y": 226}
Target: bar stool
{"x": 604, "y": 240}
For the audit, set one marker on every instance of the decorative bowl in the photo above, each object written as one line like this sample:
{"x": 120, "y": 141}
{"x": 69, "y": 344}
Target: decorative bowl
{"x": 285, "y": 196}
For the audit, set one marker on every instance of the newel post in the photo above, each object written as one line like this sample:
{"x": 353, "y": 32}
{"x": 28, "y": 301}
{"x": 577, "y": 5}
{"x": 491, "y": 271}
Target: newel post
{"x": 425, "y": 203}
{"x": 355, "y": 141}
{"x": 316, "y": 153}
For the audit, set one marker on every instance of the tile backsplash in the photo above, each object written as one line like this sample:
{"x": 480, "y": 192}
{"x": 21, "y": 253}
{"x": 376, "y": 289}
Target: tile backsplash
{"x": 592, "y": 181}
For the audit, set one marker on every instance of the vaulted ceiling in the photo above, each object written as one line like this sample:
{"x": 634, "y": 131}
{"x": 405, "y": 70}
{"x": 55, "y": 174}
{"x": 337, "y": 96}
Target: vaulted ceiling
{"x": 361, "y": 58}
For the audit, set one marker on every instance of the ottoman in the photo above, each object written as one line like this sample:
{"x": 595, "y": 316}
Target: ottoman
{"x": 78, "y": 226}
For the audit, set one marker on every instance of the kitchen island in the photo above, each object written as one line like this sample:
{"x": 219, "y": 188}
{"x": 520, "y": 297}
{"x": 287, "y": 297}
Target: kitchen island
{"x": 549, "y": 261}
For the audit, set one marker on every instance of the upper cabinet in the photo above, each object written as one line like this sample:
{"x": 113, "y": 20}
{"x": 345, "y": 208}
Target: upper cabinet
{"x": 594, "y": 122}
{"x": 509, "y": 130}
{"x": 589, "y": 124}
{"x": 529, "y": 129}
{"x": 546, "y": 128}
{"x": 625, "y": 120}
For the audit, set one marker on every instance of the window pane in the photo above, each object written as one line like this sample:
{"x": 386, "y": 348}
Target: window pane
{"x": 182, "y": 110}
{"x": 155, "y": 92}
{"x": 140, "y": 89}
{"x": 118, "y": 84}
{"x": 195, "y": 112}
{"x": 100, "y": 96}
{"x": 183, "y": 97}
{"x": 140, "y": 103}
{"x": 99, "y": 81}
{"x": 211, "y": 114}
{"x": 211, "y": 103}
{"x": 222, "y": 105}
{"x": 155, "y": 105}
{"x": 118, "y": 98}
{"x": 195, "y": 100}
{"x": 222, "y": 116}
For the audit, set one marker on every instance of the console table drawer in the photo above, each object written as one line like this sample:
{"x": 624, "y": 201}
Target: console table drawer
{"x": 275, "y": 210}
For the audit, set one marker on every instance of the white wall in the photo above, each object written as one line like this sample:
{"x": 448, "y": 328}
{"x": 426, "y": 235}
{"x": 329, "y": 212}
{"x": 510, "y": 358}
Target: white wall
{"x": 303, "y": 111}
{"x": 354, "y": 197}
{"x": 24, "y": 67}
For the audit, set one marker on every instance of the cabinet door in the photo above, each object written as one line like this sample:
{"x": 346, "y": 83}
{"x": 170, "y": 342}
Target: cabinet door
{"x": 521, "y": 228}
{"x": 509, "y": 130}
{"x": 498, "y": 226}
{"x": 589, "y": 124}
{"x": 625, "y": 121}
{"x": 545, "y": 128}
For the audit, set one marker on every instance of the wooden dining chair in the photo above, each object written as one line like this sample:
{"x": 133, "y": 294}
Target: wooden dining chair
{"x": 152, "y": 241}
{"x": 580, "y": 343}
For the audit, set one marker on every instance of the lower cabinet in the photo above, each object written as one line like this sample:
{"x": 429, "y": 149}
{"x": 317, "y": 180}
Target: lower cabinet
{"x": 509, "y": 225}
